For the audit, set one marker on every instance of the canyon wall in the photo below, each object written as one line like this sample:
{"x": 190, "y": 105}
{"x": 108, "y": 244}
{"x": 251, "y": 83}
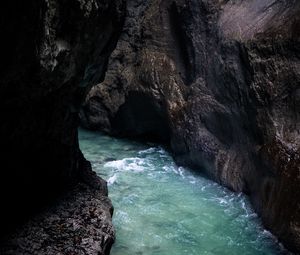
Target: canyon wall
{"x": 220, "y": 82}
{"x": 51, "y": 53}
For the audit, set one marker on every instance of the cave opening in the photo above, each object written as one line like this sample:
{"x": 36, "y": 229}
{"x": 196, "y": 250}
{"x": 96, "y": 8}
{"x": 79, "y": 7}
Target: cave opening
{"x": 142, "y": 117}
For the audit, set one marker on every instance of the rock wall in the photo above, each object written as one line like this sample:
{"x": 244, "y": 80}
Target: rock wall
{"x": 51, "y": 53}
{"x": 220, "y": 82}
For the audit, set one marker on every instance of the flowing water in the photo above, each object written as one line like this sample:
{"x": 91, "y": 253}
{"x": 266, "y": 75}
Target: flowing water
{"x": 164, "y": 209}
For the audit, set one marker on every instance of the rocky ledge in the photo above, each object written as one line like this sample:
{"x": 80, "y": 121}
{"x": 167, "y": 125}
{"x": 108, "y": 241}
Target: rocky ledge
{"x": 79, "y": 223}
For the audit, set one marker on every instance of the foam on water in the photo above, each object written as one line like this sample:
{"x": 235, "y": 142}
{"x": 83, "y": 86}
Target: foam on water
{"x": 164, "y": 209}
{"x": 127, "y": 164}
{"x": 111, "y": 180}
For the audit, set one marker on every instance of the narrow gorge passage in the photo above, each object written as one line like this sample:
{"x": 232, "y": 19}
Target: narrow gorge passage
{"x": 168, "y": 210}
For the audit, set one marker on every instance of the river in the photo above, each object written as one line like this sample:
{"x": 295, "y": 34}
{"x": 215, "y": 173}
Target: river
{"x": 163, "y": 209}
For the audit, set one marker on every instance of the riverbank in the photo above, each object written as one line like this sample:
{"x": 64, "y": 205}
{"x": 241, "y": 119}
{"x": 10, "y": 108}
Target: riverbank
{"x": 79, "y": 222}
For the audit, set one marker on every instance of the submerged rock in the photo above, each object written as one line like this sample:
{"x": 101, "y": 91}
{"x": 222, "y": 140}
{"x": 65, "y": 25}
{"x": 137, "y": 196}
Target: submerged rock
{"x": 218, "y": 81}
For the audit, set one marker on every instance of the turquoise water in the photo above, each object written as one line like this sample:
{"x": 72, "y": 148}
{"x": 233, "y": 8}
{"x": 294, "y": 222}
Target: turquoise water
{"x": 163, "y": 209}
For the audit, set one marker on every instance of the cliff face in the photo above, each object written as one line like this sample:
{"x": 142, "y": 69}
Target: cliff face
{"x": 219, "y": 81}
{"x": 52, "y": 52}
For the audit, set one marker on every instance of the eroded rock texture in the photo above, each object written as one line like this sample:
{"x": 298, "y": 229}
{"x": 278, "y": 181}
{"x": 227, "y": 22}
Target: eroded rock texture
{"x": 51, "y": 53}
{"x": 219, "y": 81}
{"x": 79, "y": 222}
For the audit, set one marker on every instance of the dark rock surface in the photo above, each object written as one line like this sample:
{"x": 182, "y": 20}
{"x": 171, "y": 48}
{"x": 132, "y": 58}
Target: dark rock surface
{"x": 78, "y": 223}
{"x": 51, "y": 53}
{"x": 220, "y": 82}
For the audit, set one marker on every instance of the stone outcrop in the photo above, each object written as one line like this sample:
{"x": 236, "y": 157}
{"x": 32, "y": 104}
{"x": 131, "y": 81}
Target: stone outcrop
{"x": 52, "y": 52}
{"x": 79, "y": 222}
{"x": 220, "y": 82}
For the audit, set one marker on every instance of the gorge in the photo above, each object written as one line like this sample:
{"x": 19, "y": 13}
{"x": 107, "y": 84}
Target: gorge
{"x": 216, "y": 81}
{"x": 219, "y": 82}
